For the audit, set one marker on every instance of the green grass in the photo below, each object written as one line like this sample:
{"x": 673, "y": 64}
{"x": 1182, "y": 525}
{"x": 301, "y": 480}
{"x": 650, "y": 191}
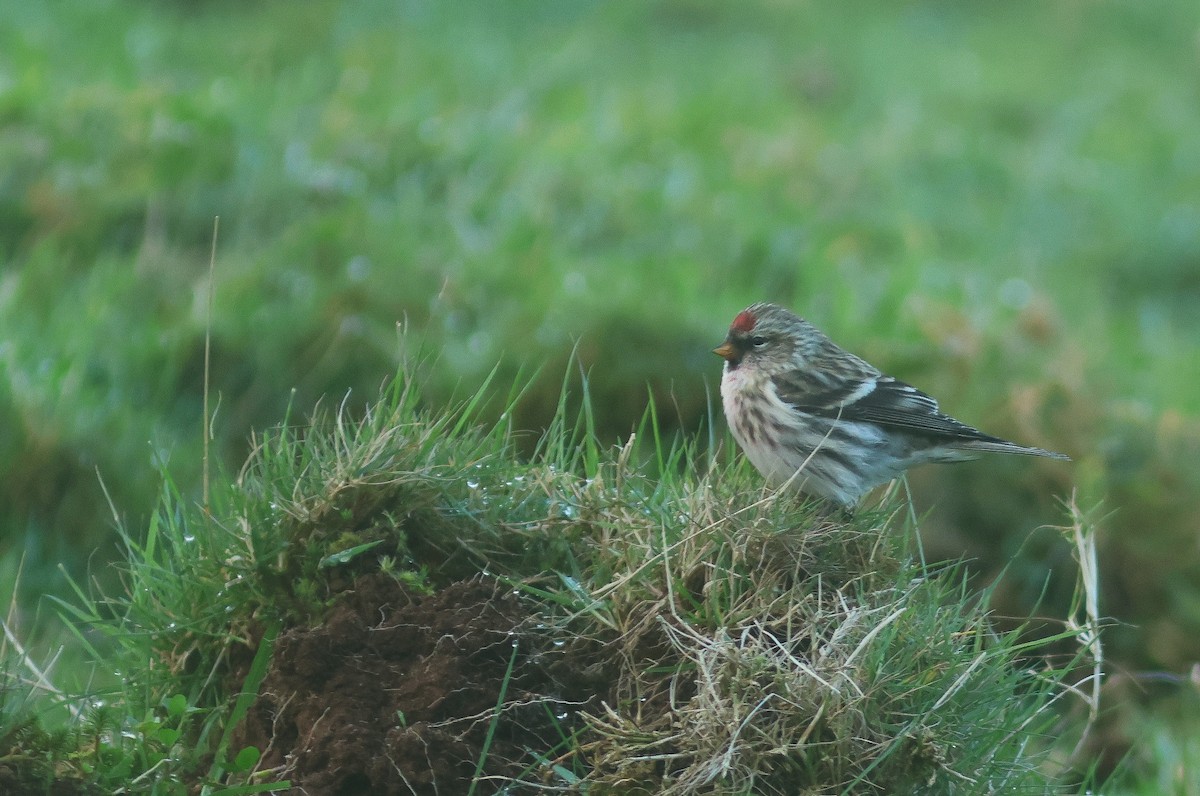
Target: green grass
{"x": 749, "y": 643}
{"x": 993, "y": 202}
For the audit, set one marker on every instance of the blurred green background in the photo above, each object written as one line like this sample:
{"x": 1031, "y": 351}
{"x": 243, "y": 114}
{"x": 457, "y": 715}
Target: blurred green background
{"x": 999, "y": 202}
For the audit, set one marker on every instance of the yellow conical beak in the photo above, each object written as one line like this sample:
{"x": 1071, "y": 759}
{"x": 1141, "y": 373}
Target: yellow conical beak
{"x": 726, "y": 351}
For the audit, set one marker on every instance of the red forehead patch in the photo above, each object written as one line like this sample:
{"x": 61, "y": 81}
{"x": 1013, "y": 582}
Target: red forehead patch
{"x": 744, "y": 322}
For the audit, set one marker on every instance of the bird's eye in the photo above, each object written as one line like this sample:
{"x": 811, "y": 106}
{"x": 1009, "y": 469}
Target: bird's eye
{"x": 758, "y": 341}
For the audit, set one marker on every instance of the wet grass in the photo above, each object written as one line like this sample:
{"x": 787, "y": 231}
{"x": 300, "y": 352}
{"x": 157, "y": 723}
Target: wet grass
{"x": 993, "y": 203}
{"x": 736, "y": 641}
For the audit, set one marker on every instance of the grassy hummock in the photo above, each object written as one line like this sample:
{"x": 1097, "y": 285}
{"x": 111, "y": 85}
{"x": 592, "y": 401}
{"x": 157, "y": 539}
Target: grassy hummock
{"x": 392, "y": 599}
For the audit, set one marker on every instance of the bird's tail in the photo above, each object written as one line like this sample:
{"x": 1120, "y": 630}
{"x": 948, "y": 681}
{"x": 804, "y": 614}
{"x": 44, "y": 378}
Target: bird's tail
{"x": 996, "y": 445}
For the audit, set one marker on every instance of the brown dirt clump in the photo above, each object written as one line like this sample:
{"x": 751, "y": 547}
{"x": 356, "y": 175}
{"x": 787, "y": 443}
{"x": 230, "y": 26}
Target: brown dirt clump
{"x": 395, "y": 693}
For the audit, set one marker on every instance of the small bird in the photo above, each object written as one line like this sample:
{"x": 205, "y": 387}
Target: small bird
{"x": 809, "y": 413}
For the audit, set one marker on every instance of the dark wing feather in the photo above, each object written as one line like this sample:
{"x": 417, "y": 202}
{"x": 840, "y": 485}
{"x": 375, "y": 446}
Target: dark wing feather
{"x": 889, "y": 402}
{"x": 867, "y": 396}
{"x": 894, "y": 403}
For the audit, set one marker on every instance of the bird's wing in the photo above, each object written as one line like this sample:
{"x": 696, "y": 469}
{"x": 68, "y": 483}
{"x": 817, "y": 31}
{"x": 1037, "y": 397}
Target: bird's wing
{"x": 873, "y": 398}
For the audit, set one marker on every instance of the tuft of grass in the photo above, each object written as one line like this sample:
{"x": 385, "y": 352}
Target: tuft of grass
{"x": 761, "y": 647}
{"x": 736, "y": 641}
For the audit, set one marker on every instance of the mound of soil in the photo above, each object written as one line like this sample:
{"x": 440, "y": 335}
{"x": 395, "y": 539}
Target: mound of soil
{"x": 395, "y": 693}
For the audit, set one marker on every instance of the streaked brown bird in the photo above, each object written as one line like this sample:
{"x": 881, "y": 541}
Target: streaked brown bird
{"x": 808, "y": 413}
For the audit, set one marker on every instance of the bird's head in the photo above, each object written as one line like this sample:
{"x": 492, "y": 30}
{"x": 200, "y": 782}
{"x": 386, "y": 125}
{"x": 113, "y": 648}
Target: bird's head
{"x": 769, "y": 337}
